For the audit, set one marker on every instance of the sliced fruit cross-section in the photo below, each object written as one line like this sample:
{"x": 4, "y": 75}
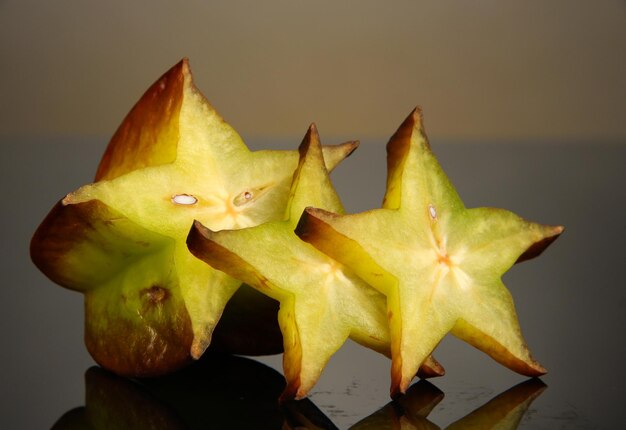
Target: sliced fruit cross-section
{"x": 321, "y": 302}
{"x": 438, "y": 263}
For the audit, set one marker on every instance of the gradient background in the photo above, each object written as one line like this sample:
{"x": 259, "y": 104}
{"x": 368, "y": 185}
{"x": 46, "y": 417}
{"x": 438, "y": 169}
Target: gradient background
{"x": 482, "y": 69}
{"x": 524, "y": 104}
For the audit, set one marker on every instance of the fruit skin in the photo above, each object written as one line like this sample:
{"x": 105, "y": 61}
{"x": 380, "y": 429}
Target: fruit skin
{"x": 438, "y": 263}
{"x": 121, "y": 319}
{"x": 150, "y": 307}
{"x": 321, "y": 302}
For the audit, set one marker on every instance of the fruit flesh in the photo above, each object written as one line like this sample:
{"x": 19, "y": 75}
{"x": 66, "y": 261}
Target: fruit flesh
{"x": 111, "y": 238}
{"x": 438, "y": 263}
{"x": 309, "y": 285}
{"x": 321, "y": 302}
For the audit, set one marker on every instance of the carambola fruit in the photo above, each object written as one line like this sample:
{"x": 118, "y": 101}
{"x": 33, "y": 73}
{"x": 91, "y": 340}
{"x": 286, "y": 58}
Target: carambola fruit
{"x": 396, "y": 279}
{"x": 322, "y": 303}
{"x": 149, "y": 304}
{"x": 438, "y": 263}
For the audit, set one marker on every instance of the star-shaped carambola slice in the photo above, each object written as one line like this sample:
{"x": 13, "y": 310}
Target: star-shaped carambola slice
{"x": 321, "y": 303}
{"x": 121, "y": 240}
{"x": 439, "y": 263}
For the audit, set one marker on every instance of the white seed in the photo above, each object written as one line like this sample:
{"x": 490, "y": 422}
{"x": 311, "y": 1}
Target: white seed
{"x": 432, "y": 211}
{"x": 184, "y": 199}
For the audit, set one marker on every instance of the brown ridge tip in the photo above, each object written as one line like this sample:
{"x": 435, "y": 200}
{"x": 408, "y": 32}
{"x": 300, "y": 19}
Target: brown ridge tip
{"x": 417, "y": 114}
{"x": 196, "y": 232}
{"x": 289, "y": 393}
{"x": 311, "y": 137}
{"x": 400, "y": 142}
{"x": 349, "y": 147}
{"x": 415, "y": 120}
{"x": 538, "y": 247}
{"x": 308, "y": 223}
{"x": 430, "y": 368}
{"x": 418, "y": 123}
{"x": 186, "y": 69}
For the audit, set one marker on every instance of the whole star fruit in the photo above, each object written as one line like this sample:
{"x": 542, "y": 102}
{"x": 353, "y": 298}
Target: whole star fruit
{"x": 438, "y": 263}
{"x": 150, "y": 306}
{"x": 322, "y": 303}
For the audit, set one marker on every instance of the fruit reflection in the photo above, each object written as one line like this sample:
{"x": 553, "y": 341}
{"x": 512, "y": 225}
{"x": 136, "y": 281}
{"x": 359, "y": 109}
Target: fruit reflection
{"x": 227, "y": 392}
{"x": 406, "y": 412}
{"x": 409, "y": 412}
{"x": 219, "y": 391}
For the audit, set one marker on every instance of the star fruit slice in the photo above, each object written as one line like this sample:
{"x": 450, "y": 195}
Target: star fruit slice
{"x": 439, "y": 263}
{"x": 149, "y": 304}
{"x": 322, "y": 304}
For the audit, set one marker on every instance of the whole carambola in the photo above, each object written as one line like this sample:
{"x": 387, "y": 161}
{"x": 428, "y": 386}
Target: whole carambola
{"x": 150, "y": 306}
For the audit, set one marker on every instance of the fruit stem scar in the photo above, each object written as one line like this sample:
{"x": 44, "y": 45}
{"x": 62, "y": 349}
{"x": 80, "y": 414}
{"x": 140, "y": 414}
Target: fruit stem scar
{"x": 184, "y": 199}
{"x": 155, "y": 294}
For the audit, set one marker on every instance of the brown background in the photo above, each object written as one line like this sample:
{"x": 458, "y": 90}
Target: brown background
{"x": 482, "y": 70}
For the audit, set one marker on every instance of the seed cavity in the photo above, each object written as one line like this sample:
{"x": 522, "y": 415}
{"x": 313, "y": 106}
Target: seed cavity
{"x": 184, "y": 199}
{"x": 243, "y": 198}
{"x": 432, "y": 211}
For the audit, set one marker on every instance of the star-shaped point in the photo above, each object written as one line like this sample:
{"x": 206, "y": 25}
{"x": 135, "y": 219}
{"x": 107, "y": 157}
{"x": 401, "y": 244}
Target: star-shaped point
{"x": 438, "y": 263}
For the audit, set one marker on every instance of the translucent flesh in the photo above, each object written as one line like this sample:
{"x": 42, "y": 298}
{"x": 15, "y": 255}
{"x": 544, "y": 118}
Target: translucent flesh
{"x": 321, "y": 304}
{"x": 438, "y": 263}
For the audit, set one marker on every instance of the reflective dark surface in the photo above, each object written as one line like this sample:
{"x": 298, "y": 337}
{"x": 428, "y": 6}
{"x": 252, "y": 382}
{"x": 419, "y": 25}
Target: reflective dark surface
{"x": 216, "y": 393}
{"x": 571, "y": 303}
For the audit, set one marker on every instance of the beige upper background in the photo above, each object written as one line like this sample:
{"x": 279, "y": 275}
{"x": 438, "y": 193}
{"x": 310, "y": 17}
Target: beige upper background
{"x": 482, "y": 70}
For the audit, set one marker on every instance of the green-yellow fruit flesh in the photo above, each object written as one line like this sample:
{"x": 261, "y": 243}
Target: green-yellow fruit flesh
{"x": 438, "y": 263}
{"x": 321, "y": 302}
{"x": 172, "y": 160}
